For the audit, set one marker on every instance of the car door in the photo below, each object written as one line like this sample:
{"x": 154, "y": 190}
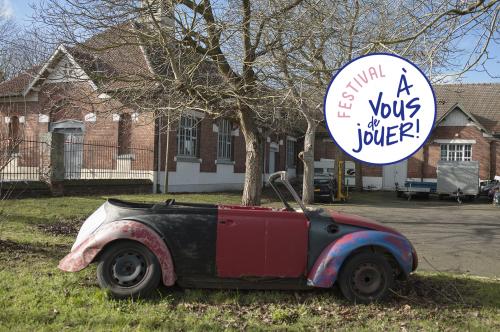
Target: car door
{"x": 261, "y": 242}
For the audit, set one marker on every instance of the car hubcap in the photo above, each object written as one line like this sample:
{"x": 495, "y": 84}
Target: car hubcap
{"x": 128, "y": 268}
{"x": 367, "y": 279}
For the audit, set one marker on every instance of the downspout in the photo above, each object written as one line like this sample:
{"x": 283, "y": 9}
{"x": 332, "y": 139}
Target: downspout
{"x": 167, "y": 148}
{"x": 156, "y": 188}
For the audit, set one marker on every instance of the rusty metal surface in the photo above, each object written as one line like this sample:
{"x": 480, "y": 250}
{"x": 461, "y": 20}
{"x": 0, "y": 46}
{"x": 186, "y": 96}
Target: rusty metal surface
{"x": 326, "y": 268}
{"x": 261, "y": 243}
{"x": 85, "y": 253}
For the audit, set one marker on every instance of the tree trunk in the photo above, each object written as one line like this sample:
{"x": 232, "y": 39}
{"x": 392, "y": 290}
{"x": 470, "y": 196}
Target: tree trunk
{"x": 307, "y": 157}
{"x": 253, "y": 173}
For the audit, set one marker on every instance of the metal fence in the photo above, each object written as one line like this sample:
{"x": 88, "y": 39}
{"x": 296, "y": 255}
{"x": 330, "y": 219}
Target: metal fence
{"x": 82, "y": 160}
{"x": 97, "y": 160}
{"x": 20, "y": 160}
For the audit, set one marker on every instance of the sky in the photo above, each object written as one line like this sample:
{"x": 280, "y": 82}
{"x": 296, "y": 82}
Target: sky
{"x": 21, "y": 12}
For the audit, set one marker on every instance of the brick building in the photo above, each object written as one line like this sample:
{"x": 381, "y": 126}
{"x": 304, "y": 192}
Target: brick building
{"x": 206, "y": 154}
{"x": 60, "y": 96}
{"x": 467, "y": 128}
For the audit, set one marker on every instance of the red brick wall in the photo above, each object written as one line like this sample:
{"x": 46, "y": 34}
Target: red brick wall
{"x": 416, "y": 163}
{"x": 481, "y": 151}
{"x": 239, "y": 154}
{"x": 104, "y": 131}
{"x": 323, "y": 149}
{"x": 172, "y": 152}
{"x": 31, "y": 128}
{"x": 371, "y": 170}
{"x": 208, "y": 146}
{"x": 495, "y": 159}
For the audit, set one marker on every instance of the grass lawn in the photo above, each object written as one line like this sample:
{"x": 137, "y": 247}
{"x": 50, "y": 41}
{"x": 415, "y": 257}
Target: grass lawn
{"x": 35, "y": 295}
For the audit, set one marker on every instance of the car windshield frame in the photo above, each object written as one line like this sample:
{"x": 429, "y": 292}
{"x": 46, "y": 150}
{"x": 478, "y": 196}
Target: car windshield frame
{"x": 283, "y": 178}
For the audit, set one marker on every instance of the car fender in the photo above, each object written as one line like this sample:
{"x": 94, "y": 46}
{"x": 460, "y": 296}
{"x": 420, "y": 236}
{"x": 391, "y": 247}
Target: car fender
{"x": 327, "y": 266}
{"x": 85, "y": 253}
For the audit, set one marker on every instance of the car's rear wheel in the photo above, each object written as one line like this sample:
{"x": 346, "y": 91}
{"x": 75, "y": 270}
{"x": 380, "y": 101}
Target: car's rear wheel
{"x": 128, "y": 269}
{"x": 366, "y": 277}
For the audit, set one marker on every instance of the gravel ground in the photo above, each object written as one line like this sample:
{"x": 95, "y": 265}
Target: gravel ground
{"x": 449, "y": 237}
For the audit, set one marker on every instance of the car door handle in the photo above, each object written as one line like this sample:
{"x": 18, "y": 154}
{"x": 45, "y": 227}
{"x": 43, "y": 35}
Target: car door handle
{"x": 227, "y": 222}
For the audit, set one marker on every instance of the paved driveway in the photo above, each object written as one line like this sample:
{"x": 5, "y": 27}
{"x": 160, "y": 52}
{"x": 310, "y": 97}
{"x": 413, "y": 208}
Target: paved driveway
{"x": 448, "y": 237}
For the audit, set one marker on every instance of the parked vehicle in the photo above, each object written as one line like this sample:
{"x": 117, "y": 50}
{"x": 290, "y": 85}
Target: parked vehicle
{"x": 493, "y": 190}
{"x": 458, "y": 178}
{"x": 136, "y": 246}
{"x": 416, "y": 188}
{"x": 325, "y": 187}
{"x": 485, "y": 188}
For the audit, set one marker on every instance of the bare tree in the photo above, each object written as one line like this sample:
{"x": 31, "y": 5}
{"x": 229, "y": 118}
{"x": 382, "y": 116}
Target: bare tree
{"x": 256, "y": 62}
{"x": 319, "y": 37}
{"x": 203, "y": 55}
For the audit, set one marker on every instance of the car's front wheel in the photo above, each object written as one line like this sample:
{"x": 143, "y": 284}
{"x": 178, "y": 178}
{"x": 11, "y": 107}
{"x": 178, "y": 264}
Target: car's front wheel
{"x": 366, "y": 277}
{"x": 128, "y": 269}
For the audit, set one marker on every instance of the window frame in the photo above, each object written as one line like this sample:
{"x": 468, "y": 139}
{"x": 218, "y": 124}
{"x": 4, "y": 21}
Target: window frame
{"x": 14, "y": 134}
{"x": 188, "y": 131}
{"x": 125, "y": 145}
{"x": 224, "y": 140}
{"x": 455, "y": 152}
{"x": 291, "y": 160}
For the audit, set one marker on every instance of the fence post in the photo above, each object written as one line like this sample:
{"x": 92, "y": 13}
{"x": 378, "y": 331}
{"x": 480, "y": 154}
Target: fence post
{"x": 52, "y": 157}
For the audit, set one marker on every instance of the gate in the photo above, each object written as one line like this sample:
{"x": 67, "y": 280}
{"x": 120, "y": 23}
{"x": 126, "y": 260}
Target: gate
{"x": 73, "y": 155}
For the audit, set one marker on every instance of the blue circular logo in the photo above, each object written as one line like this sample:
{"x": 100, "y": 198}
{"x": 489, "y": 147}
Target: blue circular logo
{"x": 380, "y": 108}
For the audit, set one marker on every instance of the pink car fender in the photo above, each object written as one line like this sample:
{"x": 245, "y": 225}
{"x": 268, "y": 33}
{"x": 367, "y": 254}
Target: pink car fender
{"x": 85, "y": 253}
{"x": 327, "y": 266}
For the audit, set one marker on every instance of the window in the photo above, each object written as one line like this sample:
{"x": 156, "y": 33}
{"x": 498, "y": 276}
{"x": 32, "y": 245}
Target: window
{"x": 14, "y": 134}
{"x": 124, "y": 134}
{"x": 187, "y": 137}
{"x": 224, "y": 140}
{"x": 318, "y": 170}
{"x": 456, "y": 152}
{"x": 290, "y": 153}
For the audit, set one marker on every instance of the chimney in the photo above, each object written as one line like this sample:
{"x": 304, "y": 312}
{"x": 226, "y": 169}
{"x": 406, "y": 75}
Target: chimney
{"x": 158, "y": 11}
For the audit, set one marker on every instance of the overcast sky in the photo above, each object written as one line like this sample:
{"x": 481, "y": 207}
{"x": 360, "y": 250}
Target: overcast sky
{"x": 21, "y": 12}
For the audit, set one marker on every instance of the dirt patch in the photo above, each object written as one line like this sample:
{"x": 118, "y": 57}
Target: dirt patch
{"x": 62, "y": 227}
{"x": 13, "y": 249}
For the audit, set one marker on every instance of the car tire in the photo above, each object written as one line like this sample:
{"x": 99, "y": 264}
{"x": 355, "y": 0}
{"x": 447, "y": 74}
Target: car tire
{"x": 128, "y": 269}
{"x": 366, "y": 277}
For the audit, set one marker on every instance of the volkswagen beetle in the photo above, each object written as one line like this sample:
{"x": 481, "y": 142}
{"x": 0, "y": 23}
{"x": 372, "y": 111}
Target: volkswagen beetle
{"x": 136, "y": 246}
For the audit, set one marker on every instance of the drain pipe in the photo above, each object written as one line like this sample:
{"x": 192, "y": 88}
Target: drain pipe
{"x": 156, "y": 187}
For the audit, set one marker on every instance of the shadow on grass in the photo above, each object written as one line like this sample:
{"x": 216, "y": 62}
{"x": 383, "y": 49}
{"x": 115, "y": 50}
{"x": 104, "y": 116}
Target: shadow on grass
{"x": 389, "y": 199}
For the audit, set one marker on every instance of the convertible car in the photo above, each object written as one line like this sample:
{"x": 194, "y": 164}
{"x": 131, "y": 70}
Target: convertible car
{"x": 136, "y": 246}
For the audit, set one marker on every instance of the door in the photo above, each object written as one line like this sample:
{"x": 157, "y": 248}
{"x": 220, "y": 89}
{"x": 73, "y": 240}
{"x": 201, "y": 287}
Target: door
{"x": 73, "y": 155}
{"x": 73, "y": 131}
{"x": 260, "y": 242}
{"x": 394, "y": 173}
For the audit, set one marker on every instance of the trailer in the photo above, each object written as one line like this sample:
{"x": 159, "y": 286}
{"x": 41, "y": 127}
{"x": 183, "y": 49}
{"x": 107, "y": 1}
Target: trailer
{"x": 413, "y": 188}
{"x": 458, "y": 178}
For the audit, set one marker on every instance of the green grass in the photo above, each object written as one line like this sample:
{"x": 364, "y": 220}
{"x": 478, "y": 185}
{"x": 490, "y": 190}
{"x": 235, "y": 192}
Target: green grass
{"x": 35, "y": 295}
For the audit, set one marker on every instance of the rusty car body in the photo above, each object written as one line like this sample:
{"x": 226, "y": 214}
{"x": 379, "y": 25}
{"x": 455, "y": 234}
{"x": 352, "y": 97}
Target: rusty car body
{"x": 138, "y": 245}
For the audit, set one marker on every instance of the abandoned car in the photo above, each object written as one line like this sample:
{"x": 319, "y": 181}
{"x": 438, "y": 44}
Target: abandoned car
{"x": 137, "y": 246}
